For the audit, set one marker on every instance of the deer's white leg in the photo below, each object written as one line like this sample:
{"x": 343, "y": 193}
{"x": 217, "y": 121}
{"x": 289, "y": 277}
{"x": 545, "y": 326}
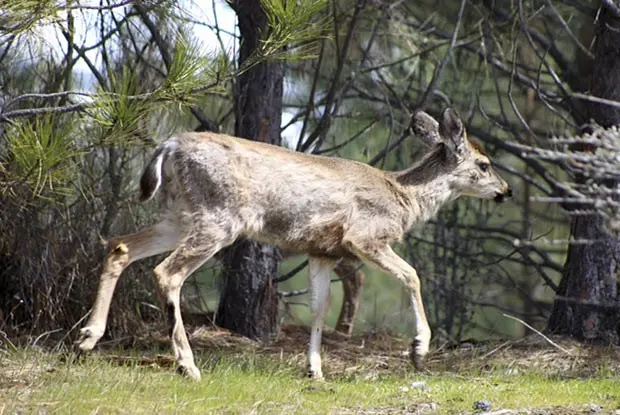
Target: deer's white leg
{"x": 122, "y": 251}
{"x": 200, "y": 245}
{"x": 319, "y": 272}
{"x": 387, "y": 260}
{"x": 422, "y": 338}
{"x": 180, "y": 344}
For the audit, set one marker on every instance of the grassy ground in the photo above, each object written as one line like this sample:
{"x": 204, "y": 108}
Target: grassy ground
{"x": 366, "y": 374}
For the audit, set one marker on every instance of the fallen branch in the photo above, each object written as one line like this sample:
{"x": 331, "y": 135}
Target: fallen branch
{"x": 551, "y": 342}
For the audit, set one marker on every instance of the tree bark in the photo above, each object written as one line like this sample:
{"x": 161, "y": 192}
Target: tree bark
{"x": 587, "y": 305}
{"x": 248, "y": 301}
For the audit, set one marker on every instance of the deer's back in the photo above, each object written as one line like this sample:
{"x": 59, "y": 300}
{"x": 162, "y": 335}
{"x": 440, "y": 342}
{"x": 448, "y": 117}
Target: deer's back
{"x": 301, "y": 202}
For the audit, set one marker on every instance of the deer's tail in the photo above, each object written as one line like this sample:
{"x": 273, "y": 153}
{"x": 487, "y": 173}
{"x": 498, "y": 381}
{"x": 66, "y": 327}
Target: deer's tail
{"x": 153, "y": 175}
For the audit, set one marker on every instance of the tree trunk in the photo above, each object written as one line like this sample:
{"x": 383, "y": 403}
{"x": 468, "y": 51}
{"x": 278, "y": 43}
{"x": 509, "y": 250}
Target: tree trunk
{"x": 587, "y": 305}
{"x": 248, "y": 301}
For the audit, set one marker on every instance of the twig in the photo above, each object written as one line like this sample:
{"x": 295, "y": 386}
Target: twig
{"x": 431, "y": 88}
{"x": 57, "y": 347}
{"x": 501, "y": 346}
{"x": 44, "y": 334}
{"x": 8, "y": 342}
{"x": 598, "y": 100}
{"x": 551, "y": 342}
{"x": 101, "y": 7}
{"x": 291, "y": 273}
{"x": 325, "y": 121}
{"x": 295, "y": 293}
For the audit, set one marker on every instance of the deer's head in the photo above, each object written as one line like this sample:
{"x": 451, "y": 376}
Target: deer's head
{"x": 469, "y": 167}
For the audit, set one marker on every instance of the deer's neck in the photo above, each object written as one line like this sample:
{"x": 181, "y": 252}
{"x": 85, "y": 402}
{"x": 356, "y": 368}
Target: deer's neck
{"x": 428, "y": 185}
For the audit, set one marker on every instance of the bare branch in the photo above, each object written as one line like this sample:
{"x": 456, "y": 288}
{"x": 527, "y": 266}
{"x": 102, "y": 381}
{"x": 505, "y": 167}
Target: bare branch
{"x": 551, "y": 342}
{"x": 325, "y": 120}
{"x": 598, "y": 100}
{"x": 439, "y": 72}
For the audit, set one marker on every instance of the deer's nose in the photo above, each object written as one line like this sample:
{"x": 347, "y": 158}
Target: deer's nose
{"x": 508, "y": 192}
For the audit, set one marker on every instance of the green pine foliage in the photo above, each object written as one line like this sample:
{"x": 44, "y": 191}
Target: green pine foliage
{"x": 41, "y": 154}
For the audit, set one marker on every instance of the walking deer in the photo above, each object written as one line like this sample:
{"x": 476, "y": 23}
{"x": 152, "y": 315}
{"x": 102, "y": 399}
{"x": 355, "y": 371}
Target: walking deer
{"x": 218, "y": 188}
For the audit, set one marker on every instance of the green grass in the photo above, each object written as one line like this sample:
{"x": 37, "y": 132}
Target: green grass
{"x": 260, "y": 382}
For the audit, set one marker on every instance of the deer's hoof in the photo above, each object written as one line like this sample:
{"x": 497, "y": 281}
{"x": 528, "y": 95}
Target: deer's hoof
{"x": 189, "y": 371}
{"x": 315, "y": 374}
{"x": 416, "y": 357}
{"x": 89, "y": 336}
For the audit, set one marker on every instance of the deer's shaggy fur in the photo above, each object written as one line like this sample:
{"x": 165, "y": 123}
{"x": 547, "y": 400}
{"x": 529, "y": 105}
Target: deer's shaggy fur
{"x": 219, "y": 188}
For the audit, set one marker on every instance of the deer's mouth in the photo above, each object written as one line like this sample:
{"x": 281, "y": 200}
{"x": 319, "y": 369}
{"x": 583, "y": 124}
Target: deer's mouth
{"x": 501, "y": 197}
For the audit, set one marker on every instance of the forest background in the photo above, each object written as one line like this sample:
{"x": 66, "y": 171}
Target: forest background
{"x": 89, "y": 88}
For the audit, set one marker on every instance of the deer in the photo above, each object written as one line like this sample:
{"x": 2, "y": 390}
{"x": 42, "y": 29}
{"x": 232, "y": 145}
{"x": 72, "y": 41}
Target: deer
{"x": 217, "y": 188}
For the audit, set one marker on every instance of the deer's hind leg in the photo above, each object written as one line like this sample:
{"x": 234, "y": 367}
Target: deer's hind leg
{"x": 352, "y": 282}
{"x": 122, "y": 251}
{"x": 203, "y": 241}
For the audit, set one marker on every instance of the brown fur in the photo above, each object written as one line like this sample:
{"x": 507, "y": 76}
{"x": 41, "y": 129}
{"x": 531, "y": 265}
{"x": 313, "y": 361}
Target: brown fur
{"x": 218, "y": 188}
{"x": 476, "y": 145}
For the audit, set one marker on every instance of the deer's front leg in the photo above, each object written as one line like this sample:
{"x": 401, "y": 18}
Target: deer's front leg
{"x": 384, "y": 258}
{"x": 319, "y": 273}
{"x": 422, "y": 339}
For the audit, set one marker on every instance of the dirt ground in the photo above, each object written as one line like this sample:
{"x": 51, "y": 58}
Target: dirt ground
{"x": 376, "y": 353}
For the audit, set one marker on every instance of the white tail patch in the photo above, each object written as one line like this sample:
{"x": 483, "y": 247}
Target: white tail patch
{"x": 159, "y": 163}
{"x": 152, "y": 178}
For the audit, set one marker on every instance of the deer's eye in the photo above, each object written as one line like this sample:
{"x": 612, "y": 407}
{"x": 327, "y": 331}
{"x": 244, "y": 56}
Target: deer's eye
{"x": 483, "y": 166}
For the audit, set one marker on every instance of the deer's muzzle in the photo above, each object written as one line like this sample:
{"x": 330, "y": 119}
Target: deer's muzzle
{"x": 501, "y": 197}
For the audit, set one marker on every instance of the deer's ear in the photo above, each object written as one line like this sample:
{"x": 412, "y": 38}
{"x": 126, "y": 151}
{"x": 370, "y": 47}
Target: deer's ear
{"x": 451, "y": 130}
{"x": 426, "y": 128}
